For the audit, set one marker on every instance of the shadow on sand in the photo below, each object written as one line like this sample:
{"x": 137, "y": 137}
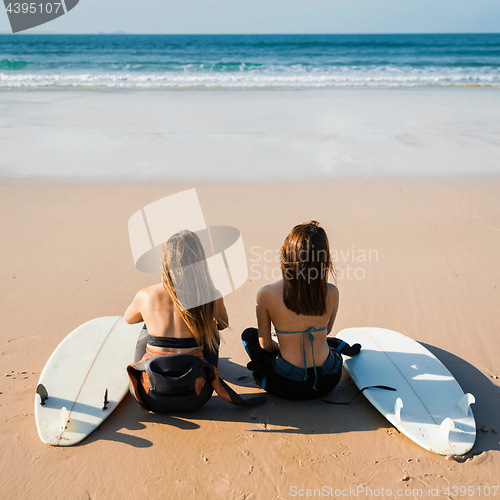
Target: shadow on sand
{"x": 303, "y": 417}
{"x": 277, "y": 415}
{"x": 487, "y": 406}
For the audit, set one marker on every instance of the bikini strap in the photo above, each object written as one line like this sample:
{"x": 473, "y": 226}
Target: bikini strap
{"x": 311, "y": 329}
{"x": 310, "y": 337}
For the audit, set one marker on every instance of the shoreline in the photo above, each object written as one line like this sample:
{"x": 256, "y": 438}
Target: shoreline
{"x": 181, "y": 184}
{"x": 244, "y": 137}
{"x": 361, "y": 88}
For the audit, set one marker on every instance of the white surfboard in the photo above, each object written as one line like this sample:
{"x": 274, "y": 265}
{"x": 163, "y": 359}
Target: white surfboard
{"x": 84, "y": 380}
{"x": 428, "y": 405}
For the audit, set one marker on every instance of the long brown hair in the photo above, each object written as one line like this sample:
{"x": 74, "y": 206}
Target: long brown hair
{"x": 187, "y": 278}
{"x": 305, "y": 267}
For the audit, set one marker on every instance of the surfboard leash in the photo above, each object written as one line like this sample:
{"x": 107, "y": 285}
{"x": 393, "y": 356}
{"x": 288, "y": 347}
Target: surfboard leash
{"x": 383, "y": 387}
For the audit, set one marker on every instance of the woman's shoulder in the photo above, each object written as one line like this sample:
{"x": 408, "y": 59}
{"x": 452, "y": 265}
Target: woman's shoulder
{"x": 271, "y": 291}
{"x": 153, "y": 293}
{"x": 332, "y": 296}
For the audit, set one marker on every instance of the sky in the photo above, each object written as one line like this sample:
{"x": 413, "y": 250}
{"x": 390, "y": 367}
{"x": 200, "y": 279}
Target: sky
{"x": 275, "y": 16}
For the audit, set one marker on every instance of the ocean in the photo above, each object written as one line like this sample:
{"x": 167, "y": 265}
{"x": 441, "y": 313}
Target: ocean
{"x": 183, "y": 62}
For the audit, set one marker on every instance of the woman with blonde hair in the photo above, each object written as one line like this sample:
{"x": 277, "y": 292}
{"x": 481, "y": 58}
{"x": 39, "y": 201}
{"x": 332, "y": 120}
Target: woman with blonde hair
{"x": 185, "y": 311}
{"x": 176, "y": 357}
{"x": 304, "y": 363}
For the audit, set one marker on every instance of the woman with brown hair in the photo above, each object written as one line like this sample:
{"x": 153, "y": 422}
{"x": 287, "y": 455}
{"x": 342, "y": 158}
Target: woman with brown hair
{"x": 304, "y": 363}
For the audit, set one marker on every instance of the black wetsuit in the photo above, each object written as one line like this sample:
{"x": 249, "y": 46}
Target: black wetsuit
{"x": 279, "y": 377}
{"x": 210, "y": 355}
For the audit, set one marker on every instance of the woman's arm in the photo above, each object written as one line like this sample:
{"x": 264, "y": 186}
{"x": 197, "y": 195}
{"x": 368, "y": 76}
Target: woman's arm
{"x": 333, "y": 296}
{"x": 133, "y": 313}
{"x": 264, "y": 323}
{"x": 221, "y": 317}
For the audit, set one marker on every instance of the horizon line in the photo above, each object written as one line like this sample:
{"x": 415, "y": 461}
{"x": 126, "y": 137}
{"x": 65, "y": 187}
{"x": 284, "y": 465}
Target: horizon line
{"x": 121, "y": 33}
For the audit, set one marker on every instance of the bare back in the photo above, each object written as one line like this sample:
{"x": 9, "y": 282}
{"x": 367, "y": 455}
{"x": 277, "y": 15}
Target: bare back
{"x": 160, "y": 314}
{"x": 155, "y": 307}
{"x": 272, "y": 310}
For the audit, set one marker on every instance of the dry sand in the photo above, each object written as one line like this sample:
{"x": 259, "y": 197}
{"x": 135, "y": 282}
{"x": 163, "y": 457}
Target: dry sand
{"x": 432, "y": 274}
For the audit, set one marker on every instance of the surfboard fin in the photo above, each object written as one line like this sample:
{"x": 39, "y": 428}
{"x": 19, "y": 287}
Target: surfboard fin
{"x": 397, "y": 408}
{"x": 64, "y": 418}
{"x": 106, "y": 402}
{"x": 42, "y": 392}
{"x": 465, "y": 401}
{"x": 446, "y": 425}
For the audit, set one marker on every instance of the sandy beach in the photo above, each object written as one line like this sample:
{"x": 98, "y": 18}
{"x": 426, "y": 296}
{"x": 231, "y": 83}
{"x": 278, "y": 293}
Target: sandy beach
{"x": 416, "y": 253}
{"x": 244, "y": 136}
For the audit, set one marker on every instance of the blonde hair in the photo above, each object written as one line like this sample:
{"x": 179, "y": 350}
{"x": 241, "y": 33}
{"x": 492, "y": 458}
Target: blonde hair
{"x": 187, "y": 278}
